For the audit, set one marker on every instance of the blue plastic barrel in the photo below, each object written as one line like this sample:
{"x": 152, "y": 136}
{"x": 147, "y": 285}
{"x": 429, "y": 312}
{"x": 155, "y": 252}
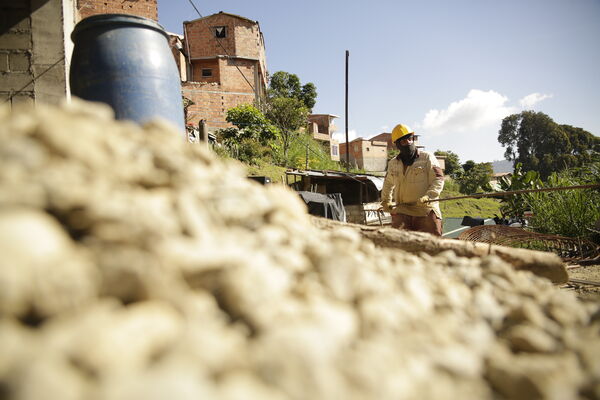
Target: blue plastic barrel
{"x": 125, "y": 61}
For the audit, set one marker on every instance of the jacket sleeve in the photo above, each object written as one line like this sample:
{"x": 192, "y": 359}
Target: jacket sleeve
{"x": 436, "y": 179}
{"x": 388, "y": 185}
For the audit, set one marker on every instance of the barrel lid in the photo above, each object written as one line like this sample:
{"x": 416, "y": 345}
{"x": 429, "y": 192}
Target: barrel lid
{"x": 116, "y": 20}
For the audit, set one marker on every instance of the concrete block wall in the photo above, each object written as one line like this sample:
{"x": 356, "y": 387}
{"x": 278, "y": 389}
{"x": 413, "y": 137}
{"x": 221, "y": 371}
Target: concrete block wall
{"x": 142, "y": 8}
{"x": 15, "y": 52}
{"x": 32, "y": 50}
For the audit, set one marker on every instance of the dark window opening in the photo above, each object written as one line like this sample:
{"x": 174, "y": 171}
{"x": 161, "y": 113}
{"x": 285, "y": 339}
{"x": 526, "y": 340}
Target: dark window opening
{"x": 220, "y": 32}
{"x": 206, "y": 72}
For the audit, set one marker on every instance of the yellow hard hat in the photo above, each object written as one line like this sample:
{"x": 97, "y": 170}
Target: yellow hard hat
{"x": 401, "y": 130}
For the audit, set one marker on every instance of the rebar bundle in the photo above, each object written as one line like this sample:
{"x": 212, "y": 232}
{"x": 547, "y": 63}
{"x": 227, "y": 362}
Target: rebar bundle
{"x": 569, "y": 249}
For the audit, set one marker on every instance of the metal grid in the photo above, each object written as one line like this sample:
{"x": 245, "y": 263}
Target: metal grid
{"x": 569, "y": 249}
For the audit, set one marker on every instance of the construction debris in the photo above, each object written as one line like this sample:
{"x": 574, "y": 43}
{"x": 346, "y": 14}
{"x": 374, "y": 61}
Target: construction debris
{"x": 136, "y": 266}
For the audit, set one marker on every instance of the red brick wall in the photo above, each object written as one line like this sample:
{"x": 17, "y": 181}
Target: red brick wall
{"x": 142, "y": 8}
{"x": 199, "y": 65}
{"x": 233, "y": 80}
{"x": 243, "y": 37}
{"x": 212, "y": 103}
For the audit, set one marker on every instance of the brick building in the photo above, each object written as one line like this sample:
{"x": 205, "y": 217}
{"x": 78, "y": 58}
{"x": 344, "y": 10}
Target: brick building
{"x": 386, "y": 138}
{"x": 367, "y": 154}
{"x": 141, "y": 8}
{"x": 322, "y": 128}
{"x": 226, "y": 66}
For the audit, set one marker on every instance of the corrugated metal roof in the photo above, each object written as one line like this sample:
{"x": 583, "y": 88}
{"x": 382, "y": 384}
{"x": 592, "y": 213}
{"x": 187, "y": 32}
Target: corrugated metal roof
{"x": 376, "y": 180}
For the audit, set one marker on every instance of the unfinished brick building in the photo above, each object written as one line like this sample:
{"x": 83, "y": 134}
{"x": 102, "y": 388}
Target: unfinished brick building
{"x": 226, "y": 66}
{"x": 322, "y": 128}
{"x": 141, "y": 8}
{"x": 367, "y": 154}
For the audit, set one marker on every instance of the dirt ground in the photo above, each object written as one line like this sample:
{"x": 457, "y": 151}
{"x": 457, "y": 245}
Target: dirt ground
{"x": 588, "y": 273}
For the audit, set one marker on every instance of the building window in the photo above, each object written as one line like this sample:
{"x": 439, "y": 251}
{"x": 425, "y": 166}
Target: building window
{"x": 206, "y": 72}
{"x": 220, "y": 32}
{"x": 334, "y": 150}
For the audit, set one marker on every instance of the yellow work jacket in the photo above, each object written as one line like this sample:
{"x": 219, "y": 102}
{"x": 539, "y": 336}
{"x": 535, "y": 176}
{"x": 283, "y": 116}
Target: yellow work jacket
{"x": 405, "y": 185}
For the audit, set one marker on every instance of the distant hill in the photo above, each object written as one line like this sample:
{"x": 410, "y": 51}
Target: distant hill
{"x": 502, "y": 166}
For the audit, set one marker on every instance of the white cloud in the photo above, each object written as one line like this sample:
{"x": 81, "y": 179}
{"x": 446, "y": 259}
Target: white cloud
{"x": 385, "y": 128}
{"x": 530, "y": 100}
{"x": 477, "y": 110}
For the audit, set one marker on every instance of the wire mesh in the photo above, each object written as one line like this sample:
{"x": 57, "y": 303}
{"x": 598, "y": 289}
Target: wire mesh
{"x": 569, "y": 249}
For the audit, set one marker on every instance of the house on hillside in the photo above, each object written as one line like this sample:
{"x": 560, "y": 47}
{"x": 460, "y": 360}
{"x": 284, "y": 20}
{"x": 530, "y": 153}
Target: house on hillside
{"x": 367, "y": 154}
{"x": 321, "y": 127}
{"x": 225, "y": 66}
{"x": 358, "y": 157}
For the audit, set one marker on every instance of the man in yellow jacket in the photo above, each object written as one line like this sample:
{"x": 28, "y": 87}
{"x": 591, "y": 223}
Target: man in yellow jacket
{"x": 412, "y": 178}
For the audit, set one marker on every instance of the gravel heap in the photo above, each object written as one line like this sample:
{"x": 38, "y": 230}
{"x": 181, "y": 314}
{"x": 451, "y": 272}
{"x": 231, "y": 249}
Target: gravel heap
{"x": 136, "y": 266}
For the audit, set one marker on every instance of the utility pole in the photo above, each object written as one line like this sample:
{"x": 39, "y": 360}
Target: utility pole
{"x": 347, "y": 144}
{"x": 306, "y": 163}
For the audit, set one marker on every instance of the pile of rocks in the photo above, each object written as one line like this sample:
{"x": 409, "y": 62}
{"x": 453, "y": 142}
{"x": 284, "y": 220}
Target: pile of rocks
{"x": 138, "y": 266}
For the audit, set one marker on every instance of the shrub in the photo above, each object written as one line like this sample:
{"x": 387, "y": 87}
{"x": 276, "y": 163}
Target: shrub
{"x": 571, "y": 213}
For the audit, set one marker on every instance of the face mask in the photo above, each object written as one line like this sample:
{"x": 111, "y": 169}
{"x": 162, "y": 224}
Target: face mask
{"x": 407, "y": 152}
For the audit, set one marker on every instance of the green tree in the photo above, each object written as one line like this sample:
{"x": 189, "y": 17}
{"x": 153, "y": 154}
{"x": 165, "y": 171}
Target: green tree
{"x": 469, "y": 165}
{"x": 288, "y": 114}
{"x": 453, "y": 167}
{"x": 540, "y": 144}
{"x": 475, "y": 177}
{"x": 250, "y": 138}
{"x": 284, "y": 84}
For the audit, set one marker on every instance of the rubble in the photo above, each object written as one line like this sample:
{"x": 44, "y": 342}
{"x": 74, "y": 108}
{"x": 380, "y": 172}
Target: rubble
{"x": 138, "y": 266}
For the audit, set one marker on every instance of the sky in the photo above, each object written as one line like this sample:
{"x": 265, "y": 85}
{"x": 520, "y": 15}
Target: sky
{"x": 450, "y": 69}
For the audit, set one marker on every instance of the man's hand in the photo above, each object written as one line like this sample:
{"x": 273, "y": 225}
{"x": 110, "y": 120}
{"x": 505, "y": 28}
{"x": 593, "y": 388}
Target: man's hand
{"x": 386, "y": 207}
{"x": 423, "y": 200}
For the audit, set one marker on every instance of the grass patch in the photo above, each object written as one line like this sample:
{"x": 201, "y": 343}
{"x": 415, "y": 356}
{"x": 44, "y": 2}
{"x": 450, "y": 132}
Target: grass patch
{"x": 476, "y": 208}
{"x": 277, "y": 174}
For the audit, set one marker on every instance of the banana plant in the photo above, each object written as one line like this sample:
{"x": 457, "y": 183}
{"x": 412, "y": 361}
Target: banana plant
{"x": 514, "y": 206}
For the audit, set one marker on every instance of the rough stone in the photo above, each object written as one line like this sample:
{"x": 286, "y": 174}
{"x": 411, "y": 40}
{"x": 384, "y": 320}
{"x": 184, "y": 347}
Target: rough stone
{"x": 135, "y": 265}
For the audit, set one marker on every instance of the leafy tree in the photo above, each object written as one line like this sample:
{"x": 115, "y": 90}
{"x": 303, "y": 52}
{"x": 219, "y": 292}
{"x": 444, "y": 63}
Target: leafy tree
{"x": 540, "y": 144}
{"x": 252, "y": 135}
{"x": 284, "y": 84}
{"x": 288, "y": 114}
{"x": 453, "y": 167}
{"x": 469, "y": 165}
{"x": 476, "y": 176}
{"x": 249, "y": 123}
{"x": 309, "y": 95}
